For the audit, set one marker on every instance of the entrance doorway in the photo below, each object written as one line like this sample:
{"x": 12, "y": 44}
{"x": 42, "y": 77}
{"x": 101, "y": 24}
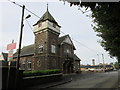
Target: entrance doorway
{"x": 68, "y": 67}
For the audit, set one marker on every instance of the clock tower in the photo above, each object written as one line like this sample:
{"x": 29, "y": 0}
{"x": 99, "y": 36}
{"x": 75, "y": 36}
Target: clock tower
{"x": 46, "y": 32}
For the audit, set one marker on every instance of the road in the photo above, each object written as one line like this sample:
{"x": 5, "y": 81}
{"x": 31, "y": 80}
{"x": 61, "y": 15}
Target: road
{"x": 93, "y": 80}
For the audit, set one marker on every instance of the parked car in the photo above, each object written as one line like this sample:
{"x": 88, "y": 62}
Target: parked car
{"x": 114, "y": 69}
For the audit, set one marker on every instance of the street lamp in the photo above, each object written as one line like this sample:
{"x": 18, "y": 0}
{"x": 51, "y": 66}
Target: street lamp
{"x": 20, "y": 41}
{"x": 19, "y": 50}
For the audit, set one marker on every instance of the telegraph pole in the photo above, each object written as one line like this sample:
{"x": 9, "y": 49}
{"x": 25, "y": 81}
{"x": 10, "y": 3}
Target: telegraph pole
{"x": 9, "y": 64}
{"x": 20, "y": 39}
{"x": 19, "y": 49}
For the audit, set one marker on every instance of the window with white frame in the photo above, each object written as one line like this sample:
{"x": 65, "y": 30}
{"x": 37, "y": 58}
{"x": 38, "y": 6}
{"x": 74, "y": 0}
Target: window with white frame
{"x": 41, "y": 48}
{"x": 23, "y": 65}
{"x": 38, "y": 63}
{"x": 29, "y": 65}
{"x": 53, "y": 49}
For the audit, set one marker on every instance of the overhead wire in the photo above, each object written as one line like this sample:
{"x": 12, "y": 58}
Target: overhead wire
{"x": 29, "y": 26}
{"x": 25, "y": 8}
{"x": 60, "y": 31}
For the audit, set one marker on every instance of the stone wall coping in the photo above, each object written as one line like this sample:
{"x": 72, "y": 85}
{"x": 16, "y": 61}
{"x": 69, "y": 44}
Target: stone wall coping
{"x": 31, "y": 77}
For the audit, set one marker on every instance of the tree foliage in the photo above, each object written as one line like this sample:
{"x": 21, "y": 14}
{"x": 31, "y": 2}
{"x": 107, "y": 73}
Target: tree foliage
{"x": 106, "y": 16}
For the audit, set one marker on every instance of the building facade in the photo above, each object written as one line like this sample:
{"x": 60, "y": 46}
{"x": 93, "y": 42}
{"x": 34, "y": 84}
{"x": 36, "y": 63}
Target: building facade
{"x": 49, "y": 50}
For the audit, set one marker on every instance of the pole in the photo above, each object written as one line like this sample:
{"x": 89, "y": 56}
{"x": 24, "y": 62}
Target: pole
{"x": 20, "y": 41}
{"x": 19, "y": 49}
{"x": 9, "y": 63}
{"x": 103, "y": 61}
{"x": 98, "y": 61}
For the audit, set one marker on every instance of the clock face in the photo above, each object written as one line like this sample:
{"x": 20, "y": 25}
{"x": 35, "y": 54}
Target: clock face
{"x": 54, "y": 25}
{"x": 39, "y": 24}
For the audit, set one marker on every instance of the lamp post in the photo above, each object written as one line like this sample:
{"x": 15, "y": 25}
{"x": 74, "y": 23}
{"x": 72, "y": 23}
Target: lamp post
{"x": 21, "y": 31}
{"x": 19, "y": 49}
{"x": 20, "y": 41}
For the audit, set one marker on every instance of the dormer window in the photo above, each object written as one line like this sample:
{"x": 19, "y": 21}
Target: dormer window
{"x": 67, "y": 51}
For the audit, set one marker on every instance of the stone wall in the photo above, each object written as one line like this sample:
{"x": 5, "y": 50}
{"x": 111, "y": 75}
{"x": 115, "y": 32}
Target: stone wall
{"x": 38, "y": 80}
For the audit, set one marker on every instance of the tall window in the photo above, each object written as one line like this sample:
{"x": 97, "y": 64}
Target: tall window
{"x": 29, "y": 65}
{"x": 53, "y": 49}
{"x": 23, "y": 65}
{"x": 38, "y": 63}
{"x": 41, "y": 48}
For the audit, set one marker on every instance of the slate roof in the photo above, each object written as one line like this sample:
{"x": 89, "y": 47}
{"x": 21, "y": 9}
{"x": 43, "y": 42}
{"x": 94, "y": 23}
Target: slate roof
{"x": 26, "y": 50}
{"x": 29, "y": 50}
{"x": 61, "y": 39}
{"x": 76, "y": 58}
{"x": 47, "y": 16}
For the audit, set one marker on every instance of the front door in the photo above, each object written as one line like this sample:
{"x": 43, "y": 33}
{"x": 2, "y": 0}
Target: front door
{"x": 68, "y": 67}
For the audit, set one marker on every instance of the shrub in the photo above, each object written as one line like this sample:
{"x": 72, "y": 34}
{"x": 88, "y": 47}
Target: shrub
{"x": 40, "y": 72}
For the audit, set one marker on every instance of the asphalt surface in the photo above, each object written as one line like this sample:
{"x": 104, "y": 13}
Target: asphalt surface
{"x": 106, "y": 80}
{"x": 85, "y": 81}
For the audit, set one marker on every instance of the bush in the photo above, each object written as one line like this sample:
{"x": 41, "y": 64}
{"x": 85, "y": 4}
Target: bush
{"x": 40, "y": 72}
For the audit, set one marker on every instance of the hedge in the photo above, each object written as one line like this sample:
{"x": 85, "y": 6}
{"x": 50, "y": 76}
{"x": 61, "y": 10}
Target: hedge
{"x": 40, "y": 72}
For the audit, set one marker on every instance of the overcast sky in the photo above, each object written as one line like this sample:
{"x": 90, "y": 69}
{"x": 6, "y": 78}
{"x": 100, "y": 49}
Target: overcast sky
{"x": 71, "y": 20}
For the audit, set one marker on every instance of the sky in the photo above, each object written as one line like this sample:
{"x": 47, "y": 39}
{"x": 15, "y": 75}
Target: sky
{"x": 71, "y": 20}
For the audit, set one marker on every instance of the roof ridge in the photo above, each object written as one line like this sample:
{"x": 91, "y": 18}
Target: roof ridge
{"x": 64, "y": 35}
{"x": 28, "y": 45}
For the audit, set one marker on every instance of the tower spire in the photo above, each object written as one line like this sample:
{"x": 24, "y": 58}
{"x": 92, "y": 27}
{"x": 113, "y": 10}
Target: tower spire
{"x": 47, "y": 6}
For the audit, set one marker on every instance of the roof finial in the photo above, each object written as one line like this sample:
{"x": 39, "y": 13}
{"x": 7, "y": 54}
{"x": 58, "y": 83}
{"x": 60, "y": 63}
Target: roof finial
{"x": 47, "y": 6}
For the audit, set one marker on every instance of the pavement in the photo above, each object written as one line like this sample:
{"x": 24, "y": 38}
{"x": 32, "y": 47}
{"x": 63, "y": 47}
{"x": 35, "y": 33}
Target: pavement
{"x": 66, "y": 79}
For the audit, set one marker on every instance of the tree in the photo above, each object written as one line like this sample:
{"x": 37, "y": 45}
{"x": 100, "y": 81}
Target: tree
{"x": 106, "y": 17}
{"x": 116, "y": 65}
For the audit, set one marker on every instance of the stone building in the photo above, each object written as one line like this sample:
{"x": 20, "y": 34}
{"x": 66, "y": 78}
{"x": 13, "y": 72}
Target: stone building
{"x": 49, "y": 50}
